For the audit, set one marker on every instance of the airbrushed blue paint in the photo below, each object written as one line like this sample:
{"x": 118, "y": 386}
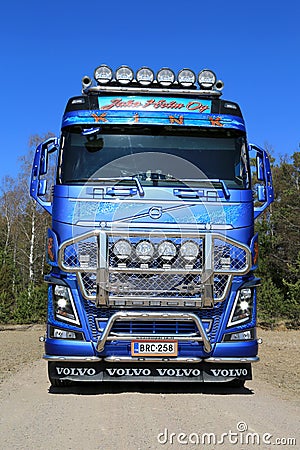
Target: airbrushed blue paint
{"x": 152, "y": 118}
{"x": 71, "y": 212}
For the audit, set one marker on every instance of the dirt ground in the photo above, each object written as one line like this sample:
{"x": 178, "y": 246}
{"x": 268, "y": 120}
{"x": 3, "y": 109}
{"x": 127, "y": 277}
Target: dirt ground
{"x": 279, "y": 355}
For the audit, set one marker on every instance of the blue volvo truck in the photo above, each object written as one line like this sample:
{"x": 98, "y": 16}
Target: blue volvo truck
{"x": 152, "y": 245}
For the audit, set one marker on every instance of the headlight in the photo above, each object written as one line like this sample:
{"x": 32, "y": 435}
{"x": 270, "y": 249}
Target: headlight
{"x": 145, "y": 76}
{"x": 122, "y": 249}
{"x": 103, "y": 74}
{"x": 206, "y": 79}
{"x": 144, "y": 250}
{"x": 167, "y": 250}
{"x": 186, "y": 77}
{"x": 165, "y": 77}
{"x": 64, "y": 308}
{"x": 242, "y": 308}
{"x": 189, "y": 250}
{"x": 124, "y": 75}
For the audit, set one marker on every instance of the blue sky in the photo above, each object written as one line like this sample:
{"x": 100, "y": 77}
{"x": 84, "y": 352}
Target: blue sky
{"x": 47, "y": 46}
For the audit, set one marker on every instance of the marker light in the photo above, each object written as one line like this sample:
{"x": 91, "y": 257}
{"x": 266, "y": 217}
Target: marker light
{"x": 165, "y": 77}
{"x": 167, "y": 250}
{"x": 103, "y": 74}
{"x": 206, "y": 79}
{"x": 189, "y": 250}
{"x": 145, "y": 76}
{"x": 186, "y": 77}
{"x": 122, "y": 249}
{"x": 124, "y": 75}
{"x": 144, "y": 250}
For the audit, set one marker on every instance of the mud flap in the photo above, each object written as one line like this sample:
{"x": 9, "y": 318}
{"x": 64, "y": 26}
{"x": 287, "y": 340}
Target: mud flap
{"x": 147, "y": 372}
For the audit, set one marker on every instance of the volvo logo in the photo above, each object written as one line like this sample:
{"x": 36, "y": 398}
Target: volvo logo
{"x": 155, "y": 212}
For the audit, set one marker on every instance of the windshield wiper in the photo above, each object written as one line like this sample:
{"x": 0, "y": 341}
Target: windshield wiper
{"x": 135, "y": 179}
{"x": 210, "y": 180}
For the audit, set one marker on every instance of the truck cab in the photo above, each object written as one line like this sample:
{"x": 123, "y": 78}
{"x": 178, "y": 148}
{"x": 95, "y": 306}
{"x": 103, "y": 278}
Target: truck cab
{"x": 152, "y": 247}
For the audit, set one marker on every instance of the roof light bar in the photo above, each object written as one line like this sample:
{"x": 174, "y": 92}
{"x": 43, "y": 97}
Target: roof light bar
{"x": 145, "y": 77}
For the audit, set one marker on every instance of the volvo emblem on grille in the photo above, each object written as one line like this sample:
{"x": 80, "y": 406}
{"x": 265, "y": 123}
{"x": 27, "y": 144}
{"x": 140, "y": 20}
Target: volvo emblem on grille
{"x": 155, "y": 212}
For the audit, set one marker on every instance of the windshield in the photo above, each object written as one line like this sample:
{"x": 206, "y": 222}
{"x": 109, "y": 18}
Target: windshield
{"x": 156, "y": 155}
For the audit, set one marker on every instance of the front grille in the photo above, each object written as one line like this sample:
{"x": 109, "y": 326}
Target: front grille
{"x": 98, "y": 318}
{"x": 184, "y": 287}
{"x": 176, "y": 280}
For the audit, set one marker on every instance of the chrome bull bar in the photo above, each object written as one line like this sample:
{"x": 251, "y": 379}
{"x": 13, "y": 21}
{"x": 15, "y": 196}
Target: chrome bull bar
{"x": 89, "y": 256}
{"x": 151, "y": 316}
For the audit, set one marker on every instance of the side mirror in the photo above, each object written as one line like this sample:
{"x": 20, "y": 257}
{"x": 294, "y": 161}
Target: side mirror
{"x": 261, "y": 194}
{"x": 259, "y": 168}
{"x": 42, "y": 189}
{"x": 263, "y": 185}
{"x": 44, "y": 161}
{"x": 38, "y": 186}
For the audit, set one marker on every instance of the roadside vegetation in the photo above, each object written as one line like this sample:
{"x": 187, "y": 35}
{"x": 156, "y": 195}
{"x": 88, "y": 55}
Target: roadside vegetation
{"x": 23, "y": 227}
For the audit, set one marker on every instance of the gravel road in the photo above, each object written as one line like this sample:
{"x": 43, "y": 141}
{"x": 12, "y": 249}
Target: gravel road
{"x": 262, "y": 415}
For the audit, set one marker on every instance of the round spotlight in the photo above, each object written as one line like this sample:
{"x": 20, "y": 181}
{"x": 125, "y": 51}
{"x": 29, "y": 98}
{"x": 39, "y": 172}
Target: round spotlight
{"x": 145, "y": 76}
{"x": 103, "y": 74}
{"x": 122, "y": 249}
{"x": 186, "y": 77}
{"x": 144, "y": 251}
{"x": 206, "y": 79}
{"x": 124, "y": 75}
{"x": 189, "y": 251}
{"x": 165, "y": 76}
{"x": 167, "y": 250}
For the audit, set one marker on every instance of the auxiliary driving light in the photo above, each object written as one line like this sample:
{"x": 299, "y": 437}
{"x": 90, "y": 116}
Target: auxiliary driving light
{"x": 186, "y": 77}
{"x": 144, "y": 251}
{"x": 167, "y": 250}
{"x": 122, "y": 249}
{"x": 189, "y": 251}
{"x": 206, "y": 79}
{"x": 103, "y": 74}
{"x": 124, "y": 75}
{"x": 165, "y": 76}
{"x": 145, "y": 76}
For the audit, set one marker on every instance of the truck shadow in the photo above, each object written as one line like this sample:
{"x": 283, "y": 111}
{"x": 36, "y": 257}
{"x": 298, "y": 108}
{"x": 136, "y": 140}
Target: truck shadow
{"x": 148, "y": 388}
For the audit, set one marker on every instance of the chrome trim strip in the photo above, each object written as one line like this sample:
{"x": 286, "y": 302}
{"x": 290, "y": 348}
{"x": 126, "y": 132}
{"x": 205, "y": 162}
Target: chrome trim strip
{"x": 114, "y": 359}
{"x": 150, "y": 316}
{"x": 72, "y": 358}
{"x": 146, "y": 90}
{"x": 183, "y": 226}
{"x": 159, "y": 337}
{"x": 241, "y": 360}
